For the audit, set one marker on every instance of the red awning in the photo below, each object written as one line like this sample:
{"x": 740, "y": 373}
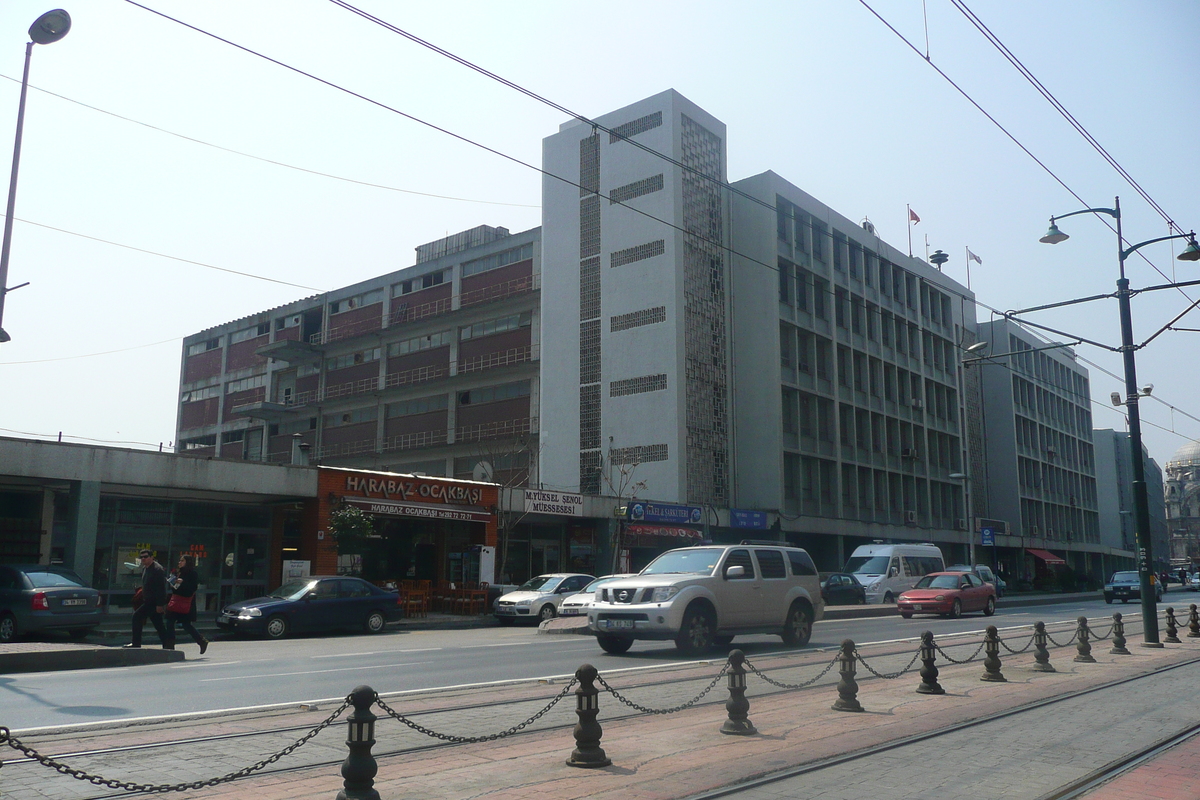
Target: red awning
{"x": 1044, "y": 555}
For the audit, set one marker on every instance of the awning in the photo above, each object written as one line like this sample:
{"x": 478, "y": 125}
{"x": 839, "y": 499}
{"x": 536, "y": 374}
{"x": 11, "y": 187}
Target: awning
{"x": 660, "y": 536}
{"x": 1044, "y": 555}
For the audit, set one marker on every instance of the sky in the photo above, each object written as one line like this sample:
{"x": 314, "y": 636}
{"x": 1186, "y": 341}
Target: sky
{"x": 171, "y": 181}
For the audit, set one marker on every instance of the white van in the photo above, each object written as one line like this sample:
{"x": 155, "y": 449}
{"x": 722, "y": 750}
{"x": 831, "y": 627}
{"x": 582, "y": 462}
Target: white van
{"x": 886, "y": 570}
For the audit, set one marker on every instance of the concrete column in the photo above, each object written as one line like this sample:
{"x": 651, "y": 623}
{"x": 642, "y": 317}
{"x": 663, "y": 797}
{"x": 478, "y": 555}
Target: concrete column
{"x": 83, "y": 517}
{"x": 47, "y": 538}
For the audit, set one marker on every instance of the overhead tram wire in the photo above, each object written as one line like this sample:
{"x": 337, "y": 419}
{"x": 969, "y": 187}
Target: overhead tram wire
{"x": 1061, "y": 109}
{"x": 1103, "y": 218}
{"x": 269, "y": 160}
{"x": 697, "y": 236}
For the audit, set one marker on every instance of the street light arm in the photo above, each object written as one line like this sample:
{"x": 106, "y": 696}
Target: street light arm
{"x": 1101, "y": 345}
{"x": 1115, "y": 213}
{"x": 967, "y": 361}
{"x": 1129, "y": 251}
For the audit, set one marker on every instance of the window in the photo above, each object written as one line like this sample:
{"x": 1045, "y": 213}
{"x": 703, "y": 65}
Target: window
{"x": 802, "y": 563}
{"x": 200, "y": 394}
{"x": 418, "y": 343}
{"x": 352, "y": 359}
{"x": 357, "y": 301}
{"x": 738, "y": 558}
{"x": 419, "y": 405}
{"x": 203, "y": 347}
{"x": 416, "y": 284}
{"x": 494, "y": 326}
{"x": 245, "y": 384}
{"x": 491, "y": 394}
{"x": 770, "y": 563}
{"x": 522, "y": 253}
{"x": 291, "y": 321}
{"x": 253, "y": 332}
{"x": 355, "y": 417}
{"x": 198, "y": 442}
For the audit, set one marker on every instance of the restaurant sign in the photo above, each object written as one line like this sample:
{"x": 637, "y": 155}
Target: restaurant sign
{"x": 641, "y": 511}
{"x": 660, "y": 535}
{"x": 539, "y": 502}
{"x": 401, "y": 509}
{"x": 409, "y": 489}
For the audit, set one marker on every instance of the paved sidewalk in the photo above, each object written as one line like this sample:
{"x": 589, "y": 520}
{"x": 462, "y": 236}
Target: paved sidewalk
{"x": 683, "y": 754}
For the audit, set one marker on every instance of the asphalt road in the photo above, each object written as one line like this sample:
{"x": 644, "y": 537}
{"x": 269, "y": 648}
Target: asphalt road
{"x": 248, "y": 673}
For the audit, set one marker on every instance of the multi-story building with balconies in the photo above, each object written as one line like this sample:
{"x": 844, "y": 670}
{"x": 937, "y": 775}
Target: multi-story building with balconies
{"x": 430, "y": 369}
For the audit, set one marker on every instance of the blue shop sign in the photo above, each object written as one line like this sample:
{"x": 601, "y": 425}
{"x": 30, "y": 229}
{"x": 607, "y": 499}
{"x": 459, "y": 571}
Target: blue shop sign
{"x": 988, "y": 537}
{"x": 663, "y": 512}
{"x": 748, "y": 519}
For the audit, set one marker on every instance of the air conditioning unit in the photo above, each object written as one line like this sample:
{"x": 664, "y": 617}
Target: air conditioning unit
{"x": 918, "y": 403}
{"x": 804, "y": 367}
{"x": 1049, "y": 533}
{"x": 960, "y": 524}
{"x": 910, "y": 517}
{"x": 1033, "y": 530}
{"x": 908, "y": 452}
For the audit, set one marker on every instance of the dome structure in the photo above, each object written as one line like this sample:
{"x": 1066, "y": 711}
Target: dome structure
{"x": 1187, "y": 455}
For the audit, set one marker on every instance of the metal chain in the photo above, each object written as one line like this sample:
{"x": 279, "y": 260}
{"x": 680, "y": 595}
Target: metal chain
{"x": 953, "y": 660}
{"x": 647, "y": 710}
{"x": 129, "y": 786}
{"x": 1062, "y": 644}
{"x": 804, "y": 685}
{"x": 445, "y": 737}
{"x": 1100, "y": 638}
{"x": 888, "y": 675}
{"x": 1004, "y": 644}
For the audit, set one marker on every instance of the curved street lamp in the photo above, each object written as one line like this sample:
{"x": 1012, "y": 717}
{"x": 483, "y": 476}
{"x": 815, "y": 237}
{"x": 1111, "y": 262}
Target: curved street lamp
{"x": 1141, "y": 503}
{"x": 46, "y": 29}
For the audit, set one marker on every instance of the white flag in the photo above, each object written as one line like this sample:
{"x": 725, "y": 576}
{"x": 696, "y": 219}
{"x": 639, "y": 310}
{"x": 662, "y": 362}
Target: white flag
{"x": 974, "y": 257}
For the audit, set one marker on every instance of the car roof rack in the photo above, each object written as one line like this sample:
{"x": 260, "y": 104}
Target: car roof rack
{"x": 772, "y": 542}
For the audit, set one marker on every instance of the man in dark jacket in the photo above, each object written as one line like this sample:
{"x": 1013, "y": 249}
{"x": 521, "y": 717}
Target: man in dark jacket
{"x": 154, "y": 601}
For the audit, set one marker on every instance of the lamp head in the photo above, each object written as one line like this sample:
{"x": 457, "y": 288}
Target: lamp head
{"x": 1191, "y": 252}
{"x": 977, "y": 347}
{"x": 50, "y": 27}
{"x": 1054, "y": 235}
{"x": 1116, "y": 398}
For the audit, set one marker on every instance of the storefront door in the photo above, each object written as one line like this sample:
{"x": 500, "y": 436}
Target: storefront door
{"x": 544, "y": 557}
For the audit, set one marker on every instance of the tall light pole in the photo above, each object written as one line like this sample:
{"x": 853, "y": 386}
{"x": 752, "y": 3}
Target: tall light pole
{"x": 46, "y": 29}
{"x": 1141, "y": 502}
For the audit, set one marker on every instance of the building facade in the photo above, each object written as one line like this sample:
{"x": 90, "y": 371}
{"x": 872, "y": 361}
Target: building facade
{"x": 1182, "y": 497}
{"x": 1114, "y": 476}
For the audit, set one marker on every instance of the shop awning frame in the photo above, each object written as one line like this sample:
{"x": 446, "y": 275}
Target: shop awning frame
{"x": 1045, "y": 555}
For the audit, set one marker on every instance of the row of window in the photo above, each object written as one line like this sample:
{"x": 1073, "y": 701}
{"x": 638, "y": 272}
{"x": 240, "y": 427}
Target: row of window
{"x": 425, "y": 405}
{"x": 1073, "y": 414}
{"x": 817, "y": 484}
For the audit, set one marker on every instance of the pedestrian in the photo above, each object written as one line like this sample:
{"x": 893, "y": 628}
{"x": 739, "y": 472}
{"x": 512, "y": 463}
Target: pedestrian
{"x": 183, "y": 593}
{"x": 154, "y": 601}
{"x": 1182, "y": 576}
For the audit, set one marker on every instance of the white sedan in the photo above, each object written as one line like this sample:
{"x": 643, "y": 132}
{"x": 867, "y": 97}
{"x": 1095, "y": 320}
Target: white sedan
{"x": 577, "y": 604}
{"x": 539, "y": 598}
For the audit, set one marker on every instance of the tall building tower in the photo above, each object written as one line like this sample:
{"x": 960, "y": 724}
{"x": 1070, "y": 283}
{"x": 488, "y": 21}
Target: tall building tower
{"x": 635, "y": 289}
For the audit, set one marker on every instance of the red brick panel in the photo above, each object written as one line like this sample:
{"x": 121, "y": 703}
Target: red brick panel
{"x": 421, "y": 303}
{"x": 417, "y": 423}
{"x": 434, "y": 357}
{"x": 353, "y": 374}
{"x": 355, "y": 322}
{"x": 235, "y": 399}
{"x": 498, "y": 343}
{"x": 498, "y": 278}
{"x": 242, "y": 355}
{"x": 500, "y": 411}
{"x": 279, "y": 448}
{"x": 291, "y": 334}
{"x": 199, "y": 414}
{"x": 203, "y": 365}
{"x": 309, "y": 383}
{"x": 344, "y": 434}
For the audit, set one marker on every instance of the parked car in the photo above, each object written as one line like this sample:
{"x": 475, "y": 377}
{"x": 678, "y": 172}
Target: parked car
{"x": 41, "y": 597}
{"x": 577, "y": 604}
{"x": 843, "y": 589}
{"x": 886, "y": 570}
{"x": 1194, "y": 582}
{"x": 539, "y": 598}
{"x": 985, "y": 572}
{"x": 703, "y": 596}
{"x": 1126, "y": 586}
{"x": 319, "y": 603}
{"x": 950, "y": 594}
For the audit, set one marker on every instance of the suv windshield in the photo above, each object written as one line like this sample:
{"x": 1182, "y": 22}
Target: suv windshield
{"x": 938, "y": 582}
{"x": 693, "y": 561}
{"x": 542, "y": 583}
{"x": 1124, "y": 577}
{"x": 867, "y": 565}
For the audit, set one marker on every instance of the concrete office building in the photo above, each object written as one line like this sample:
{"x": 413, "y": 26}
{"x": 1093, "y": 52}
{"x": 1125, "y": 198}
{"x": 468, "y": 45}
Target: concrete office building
{"x": 1041, "y": 464}
{"x": 1114, "y": 479}
{"x": 1183, "y": 504}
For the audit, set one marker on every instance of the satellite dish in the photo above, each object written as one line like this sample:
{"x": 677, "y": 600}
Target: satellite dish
{"x": 483, "y": 472}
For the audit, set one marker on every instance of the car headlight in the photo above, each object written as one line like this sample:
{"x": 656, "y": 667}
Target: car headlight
{"x": 524, "y": 602}
{"x": 1108, "y": 587}
{"x": 247, "y": 613}
{"x": 663, "y": 593}
{"x": 873, "y": 585}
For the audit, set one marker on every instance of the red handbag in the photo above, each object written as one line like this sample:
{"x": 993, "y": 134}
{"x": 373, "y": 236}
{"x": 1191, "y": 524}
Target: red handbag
{"x": 178, "y": 604}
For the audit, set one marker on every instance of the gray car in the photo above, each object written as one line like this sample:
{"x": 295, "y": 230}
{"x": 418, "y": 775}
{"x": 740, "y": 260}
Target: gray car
{"x": 42, "y": 597}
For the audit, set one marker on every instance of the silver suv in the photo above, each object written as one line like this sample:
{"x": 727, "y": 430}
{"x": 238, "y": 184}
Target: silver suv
{"x": 704, "y": 596}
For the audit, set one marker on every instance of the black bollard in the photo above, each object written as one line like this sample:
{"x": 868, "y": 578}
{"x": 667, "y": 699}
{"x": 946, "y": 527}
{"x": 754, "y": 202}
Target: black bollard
{"x": 359, "y": 768}
{"x": 991, "y": 660}
{"x": 1041, "y": 655}
{"x": 1083, "y": 648}
{"x": 1193, "y": 622}
{"x": 1172, "y": 627}
{"x": 1119, "y": 636}
{"x": 929, "y": 670}
{"x": 587, "y": 752}
{"x": 847, "y": 687}
{"x": 738, "y": 723}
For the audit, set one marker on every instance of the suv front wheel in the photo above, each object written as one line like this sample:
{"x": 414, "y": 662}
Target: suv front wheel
{"x": 696, "y": 635}
{"x": 797, "y": 630}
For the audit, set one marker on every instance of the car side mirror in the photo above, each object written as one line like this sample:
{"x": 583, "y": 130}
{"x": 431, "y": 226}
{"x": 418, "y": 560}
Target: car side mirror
{"x": 736, "y": 571}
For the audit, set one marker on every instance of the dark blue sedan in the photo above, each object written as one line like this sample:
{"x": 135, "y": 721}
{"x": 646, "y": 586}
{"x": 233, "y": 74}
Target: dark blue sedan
{"x": 320, "y": 603}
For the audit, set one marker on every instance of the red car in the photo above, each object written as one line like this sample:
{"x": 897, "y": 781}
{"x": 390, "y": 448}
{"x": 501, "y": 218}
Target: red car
{"x": 948, "y": 593}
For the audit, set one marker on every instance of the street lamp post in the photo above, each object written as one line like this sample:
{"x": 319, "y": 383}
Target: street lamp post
{"x": 46, "y": 29}
{"x": 1141, "y": 502}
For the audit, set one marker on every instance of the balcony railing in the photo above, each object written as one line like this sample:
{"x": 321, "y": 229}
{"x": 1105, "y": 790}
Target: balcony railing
{"x": 486, "y": 431}
{"x": 495, "y": 430}
{"x": 412, "y": 441}
{"x": 416, "y": 375}
{"x": 498, "y": 291}
{"x": 513, "y": 355}
{"x": 347, "y": 331}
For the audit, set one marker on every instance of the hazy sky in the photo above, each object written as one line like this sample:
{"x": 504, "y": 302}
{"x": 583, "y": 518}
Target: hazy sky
{"x": 159, "y": 161}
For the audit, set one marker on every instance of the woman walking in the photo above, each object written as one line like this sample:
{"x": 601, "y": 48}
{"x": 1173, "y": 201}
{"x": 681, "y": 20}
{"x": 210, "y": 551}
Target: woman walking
{"x": 182, "y": 605}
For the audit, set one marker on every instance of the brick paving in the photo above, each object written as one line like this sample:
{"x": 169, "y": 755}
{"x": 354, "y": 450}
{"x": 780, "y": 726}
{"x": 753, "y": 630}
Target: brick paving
{"x": 684, "y": 755}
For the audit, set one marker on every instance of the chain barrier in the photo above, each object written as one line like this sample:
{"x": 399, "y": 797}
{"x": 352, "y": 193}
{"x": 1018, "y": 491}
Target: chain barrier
{"x": 1063, "y": 644}
{"x": 953, "y": 660}
{"x": 445, "y": 737}
{"x": 647, "y": 710}
{"x": 1100, "y": 638}
{"x": 886, "y": 675}
{"x": 129, "y": 786}
{"x": 1028, "y": 644}
{"x": 781, "y": 685}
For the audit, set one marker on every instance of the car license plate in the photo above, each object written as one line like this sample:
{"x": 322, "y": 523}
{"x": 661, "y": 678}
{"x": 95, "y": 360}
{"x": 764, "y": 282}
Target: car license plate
{"x": 224, "y": 618}
{"x": 74, "y": 602}
{"x": 618, "y": 624}
{"x": 917, "y": 607}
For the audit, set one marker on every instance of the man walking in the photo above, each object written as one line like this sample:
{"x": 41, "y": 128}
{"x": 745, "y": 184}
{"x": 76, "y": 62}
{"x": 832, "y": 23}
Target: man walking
{"x": 154, "y": 601}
